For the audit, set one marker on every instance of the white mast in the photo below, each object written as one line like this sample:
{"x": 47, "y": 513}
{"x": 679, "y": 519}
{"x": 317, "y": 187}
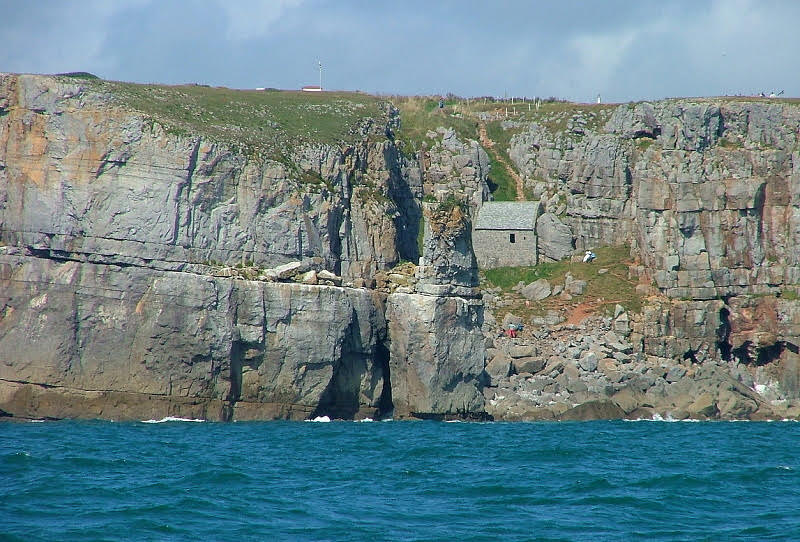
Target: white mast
{"x": 320, "y": 74}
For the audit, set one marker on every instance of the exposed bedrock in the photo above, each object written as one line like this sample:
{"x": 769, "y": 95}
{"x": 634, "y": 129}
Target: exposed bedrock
{"x": 437, "y": 348}
{"x": 119, "y": 297}
{"x": 86, "y": 340}
{"x": 437, "y": 355}
{"x": 705, "y": 192}
{"x": 86, "y": 180}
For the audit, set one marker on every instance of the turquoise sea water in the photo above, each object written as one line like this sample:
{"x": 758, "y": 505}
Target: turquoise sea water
{"x": 399, "y": 481}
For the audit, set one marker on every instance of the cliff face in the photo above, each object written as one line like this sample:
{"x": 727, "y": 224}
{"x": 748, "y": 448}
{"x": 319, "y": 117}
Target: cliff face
{"x": 150, "y": 268}
{"x": 128, "y": 342}
{"x": 119, "y": 295}
{"x": 83, "y": 178}
{"x": 707, "y": 194}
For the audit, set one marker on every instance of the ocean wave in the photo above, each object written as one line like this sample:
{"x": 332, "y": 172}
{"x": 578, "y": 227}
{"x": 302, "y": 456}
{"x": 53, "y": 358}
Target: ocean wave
{"x": 668, "y": 418}
{"x": 320, "y": 419}
{"x": 173, "y": 419}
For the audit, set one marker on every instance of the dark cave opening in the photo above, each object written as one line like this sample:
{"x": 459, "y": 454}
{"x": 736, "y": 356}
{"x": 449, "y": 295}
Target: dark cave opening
{"x": 724, "y": 334}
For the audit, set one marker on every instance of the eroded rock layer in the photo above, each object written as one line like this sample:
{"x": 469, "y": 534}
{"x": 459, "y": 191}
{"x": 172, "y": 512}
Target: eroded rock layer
{"x": 133, "y": 280}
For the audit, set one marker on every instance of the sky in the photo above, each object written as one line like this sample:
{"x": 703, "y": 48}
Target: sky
{"x": 622, "y": 50}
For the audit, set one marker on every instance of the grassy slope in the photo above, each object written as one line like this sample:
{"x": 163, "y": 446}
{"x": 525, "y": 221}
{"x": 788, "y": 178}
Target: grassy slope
{"x": 603, "y": 291}
{"x": 258, "y": 122}
{"x": 419, "y": 115}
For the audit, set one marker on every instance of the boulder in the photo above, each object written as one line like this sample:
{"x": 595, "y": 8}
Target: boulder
{"x": 588, "y": 361}
{"x": 288, "y": 270}
{"x": 675, "y": 373}
{"x": 327, "y": 276}
{"x": 498, "y": 368}
{"x": 309, "y": 278}
{"x": 628, "y": 400}
{"x": 575, "y": 287}
{"x": 509, "y": 319}
{"x": 530, "y": 365}
{"x": 554, "y": 238}
{"x": 703, "y": 407}
{"x": 594, "y": 410}
{"x": 537, "y": 290}
{"x": 733, "y": 405}
{"x": 521, "y": 350}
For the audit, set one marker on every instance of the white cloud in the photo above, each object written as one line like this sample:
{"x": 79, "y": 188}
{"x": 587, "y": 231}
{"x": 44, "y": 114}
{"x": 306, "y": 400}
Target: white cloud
{"x": 599, "y": 56}
{"x": 255, "y": 18}
{"x": 53, "y": 37}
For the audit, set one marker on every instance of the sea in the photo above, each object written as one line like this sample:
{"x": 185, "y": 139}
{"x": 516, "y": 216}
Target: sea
{"x": 406, "y": 481}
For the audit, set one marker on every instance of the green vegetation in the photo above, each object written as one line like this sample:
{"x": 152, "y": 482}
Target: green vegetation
{"x": 729, "y": 143}
{"x": 790, "y": 295}
{"x": 266, "y": 123}
{"x": 315, "y": 181}
{"x": 79, "y": 75}
{"x": 501, "y": 185}
{"x": 450, "y": 203}
{"x": 553, "y": 114}
{"x": 603, "y": 291}
{"x": 508, "y": 277}
{"x": 420, "y": 115}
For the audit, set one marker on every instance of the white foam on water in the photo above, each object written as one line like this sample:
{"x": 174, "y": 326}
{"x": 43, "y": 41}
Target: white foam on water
{"x": 452, "y": 421}
{"x": 320, "y": 419}
{"x": 172, "y": 419}
{"x": 659, "y": 418}
{"x": 37, "y": 421}
{"x": 366, "y": 420}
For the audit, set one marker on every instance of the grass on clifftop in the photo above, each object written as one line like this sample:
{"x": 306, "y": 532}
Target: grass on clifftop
{"x": 420, "y": 114}
{"x": 603, "y": 291}
{"x": 265, "y": 122}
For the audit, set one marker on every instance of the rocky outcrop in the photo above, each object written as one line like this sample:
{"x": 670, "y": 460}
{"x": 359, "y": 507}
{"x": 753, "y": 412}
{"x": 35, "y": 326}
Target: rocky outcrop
{"x": 455, "y": 168}
{"x": 437, "y": 349}
{"x": 589, "y": 371}
{"x": 150, "y": 272}
{"x": 554, "y": 238}
{"x": 706, "y": 194}
{"x": 88, "y": 181}
{"x": 704, "y": 191}
{"x": 437, "y": 355}
{"x": 158, "y": 343}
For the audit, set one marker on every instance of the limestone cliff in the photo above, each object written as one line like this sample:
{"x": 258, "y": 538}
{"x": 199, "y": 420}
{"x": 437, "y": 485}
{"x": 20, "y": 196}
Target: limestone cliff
{"x": 159, "y": 257}
{"x": 705, "y": 192}
{"x": 142, "y": 267}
